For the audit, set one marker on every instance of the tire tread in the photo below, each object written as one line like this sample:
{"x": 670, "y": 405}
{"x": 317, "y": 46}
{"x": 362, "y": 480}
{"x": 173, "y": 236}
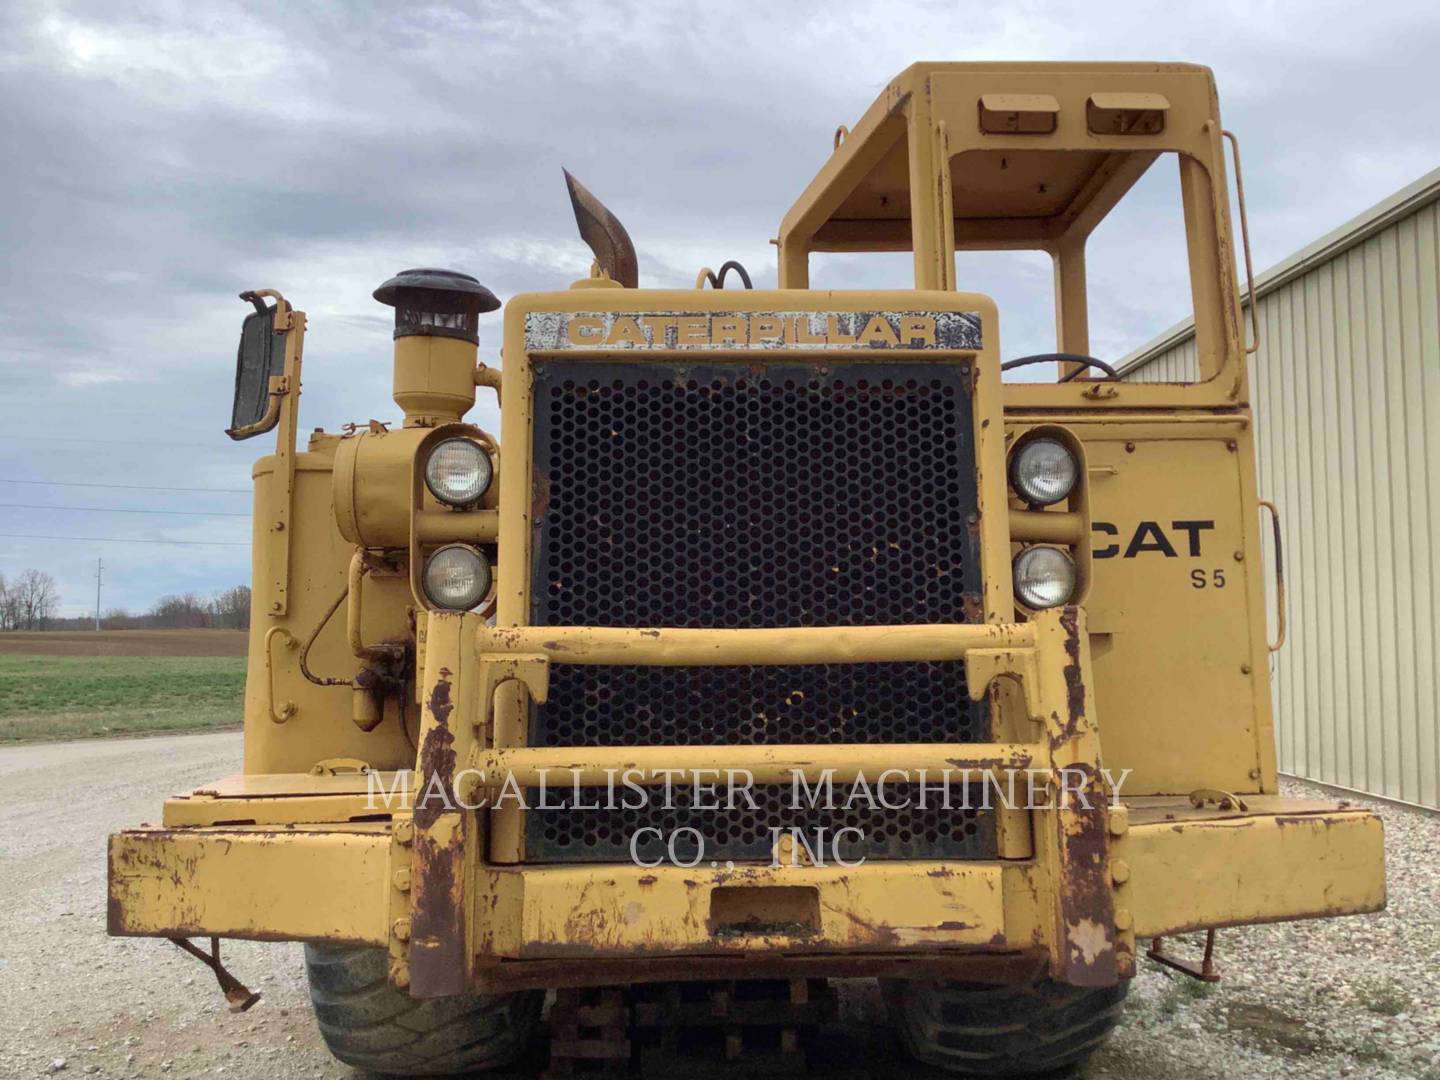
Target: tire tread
{"x": 369, "y": 1024}
{"x": 1002, "y": 1030}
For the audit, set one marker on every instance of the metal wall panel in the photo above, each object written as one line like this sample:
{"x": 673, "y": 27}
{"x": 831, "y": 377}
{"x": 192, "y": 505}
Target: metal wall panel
{"x": 1346, "y": 388}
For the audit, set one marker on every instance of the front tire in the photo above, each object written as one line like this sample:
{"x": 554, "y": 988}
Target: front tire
{"x": 369, "y": 1024}
{"x": 981, "y": 1030}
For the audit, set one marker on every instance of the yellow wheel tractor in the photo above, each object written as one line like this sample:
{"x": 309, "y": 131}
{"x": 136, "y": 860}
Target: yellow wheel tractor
{"x": 776, "y": 640}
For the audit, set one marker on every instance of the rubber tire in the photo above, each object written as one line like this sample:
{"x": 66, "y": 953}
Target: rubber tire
{"x": 369, "y": 1024}
{"x": 981, "y": 1030}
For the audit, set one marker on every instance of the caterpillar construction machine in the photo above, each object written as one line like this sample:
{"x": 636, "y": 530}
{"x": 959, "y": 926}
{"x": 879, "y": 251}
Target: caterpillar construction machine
{"x": 775, "y": 640}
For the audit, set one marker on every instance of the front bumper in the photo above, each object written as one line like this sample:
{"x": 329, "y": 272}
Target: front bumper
{"x": 1184, "y": 869}
{"x": 1076, "y": 886}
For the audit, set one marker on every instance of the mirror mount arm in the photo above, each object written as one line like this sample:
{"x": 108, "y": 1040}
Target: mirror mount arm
{"x": 283, "y": 413}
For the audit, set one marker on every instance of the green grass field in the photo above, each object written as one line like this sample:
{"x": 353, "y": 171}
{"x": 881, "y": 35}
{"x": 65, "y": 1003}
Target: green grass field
{"x": 72, "y": 697}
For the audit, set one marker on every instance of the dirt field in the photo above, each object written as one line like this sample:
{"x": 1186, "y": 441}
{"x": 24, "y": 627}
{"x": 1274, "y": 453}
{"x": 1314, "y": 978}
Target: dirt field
{"x": 124, "y": 643}
{"x": 1343, "y": 997}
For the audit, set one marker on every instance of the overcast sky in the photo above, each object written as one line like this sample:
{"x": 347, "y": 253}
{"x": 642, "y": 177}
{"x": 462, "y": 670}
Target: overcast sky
{"x": 160, "y": 158}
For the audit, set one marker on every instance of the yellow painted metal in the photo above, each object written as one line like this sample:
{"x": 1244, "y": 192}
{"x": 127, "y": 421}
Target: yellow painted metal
{"x": 372, "y": 485}
{"x": 322, "y": 883}
{"x": 288, "y": 799}
{"x": 1188, "y": 869}
{"x": 319, "y": 726}
{"x": 895, "y": 183}
{"x": 1061, "y": 527}
{"x": 434, "y": 379}
{"x": 619, "y": 911}
{"x": 811, "y": 645}
{"x": 1228, "y": 871}
{"x": 1176, "y": 606}
{"x": 447, "y": 526}
{"x": 772, "y": 764}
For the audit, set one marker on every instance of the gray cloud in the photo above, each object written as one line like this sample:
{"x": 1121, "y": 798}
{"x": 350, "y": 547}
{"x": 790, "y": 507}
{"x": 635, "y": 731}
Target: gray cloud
{"x": 163, "y": 157}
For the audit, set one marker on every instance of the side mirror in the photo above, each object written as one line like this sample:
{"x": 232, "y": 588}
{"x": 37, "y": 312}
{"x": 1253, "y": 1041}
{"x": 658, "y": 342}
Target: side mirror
{"x": 259, "y": 365}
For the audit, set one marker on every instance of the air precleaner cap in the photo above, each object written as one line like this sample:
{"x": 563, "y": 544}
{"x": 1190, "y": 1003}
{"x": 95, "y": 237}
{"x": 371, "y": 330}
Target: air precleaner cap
{"x": 442, "y": 303}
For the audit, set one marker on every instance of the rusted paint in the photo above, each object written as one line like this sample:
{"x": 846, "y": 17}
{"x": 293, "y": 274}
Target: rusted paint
{"x": 539, "y": 495}
{"x": 1087, "y": 904}
{"x": 437, "y": 918}
{"x": 1074, "y": 682}
{"x": 1085, "y": 946}
{"x": 116, "y": 925}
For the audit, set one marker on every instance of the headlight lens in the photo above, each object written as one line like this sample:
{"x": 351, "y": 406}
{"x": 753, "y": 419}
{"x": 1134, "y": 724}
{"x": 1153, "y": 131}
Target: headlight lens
{"x": 458, "y": 472}
{"x": 1044, "y": 577}
{"x": 456, "y": 577}
{"x": 1043, "y": 471}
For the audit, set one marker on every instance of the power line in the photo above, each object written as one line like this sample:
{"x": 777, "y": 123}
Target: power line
{"x": 124, "y": 510}
{"x": 112, "y": 442}
{"x": 126, "y": 540}
{"x": 127, "y": 487}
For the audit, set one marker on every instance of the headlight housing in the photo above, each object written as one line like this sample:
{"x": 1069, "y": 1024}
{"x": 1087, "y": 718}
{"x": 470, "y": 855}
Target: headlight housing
{"x": 458, "y": 471}
{"x": 457, "y": 577}
{"x": 1043, "y": 471}
{"x": 1045, "y": 577}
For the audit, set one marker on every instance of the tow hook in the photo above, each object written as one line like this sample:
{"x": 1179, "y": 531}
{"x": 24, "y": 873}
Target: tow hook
{"x": 236, "y": 993}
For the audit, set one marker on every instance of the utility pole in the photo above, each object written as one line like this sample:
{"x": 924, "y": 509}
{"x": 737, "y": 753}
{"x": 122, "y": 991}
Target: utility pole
{"x": 99, "y": 568}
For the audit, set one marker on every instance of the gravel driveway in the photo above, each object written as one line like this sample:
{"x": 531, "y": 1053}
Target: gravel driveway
{"x": 1355, "y": 996}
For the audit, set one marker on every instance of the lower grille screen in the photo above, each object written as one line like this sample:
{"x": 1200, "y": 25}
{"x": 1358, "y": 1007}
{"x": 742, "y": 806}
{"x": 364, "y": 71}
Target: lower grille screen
{"x": 715, "y": 496}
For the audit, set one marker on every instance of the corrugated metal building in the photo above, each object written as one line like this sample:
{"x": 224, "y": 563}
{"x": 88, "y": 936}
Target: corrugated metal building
{"x": 1346, "y": 388}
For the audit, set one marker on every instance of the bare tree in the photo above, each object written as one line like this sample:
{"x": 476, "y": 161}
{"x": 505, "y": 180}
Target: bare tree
{"x": 31, "y": 600}
{"x": 181, "y": 612}
{"x": 231, "y": 608}
{"x": 7, "y": 607}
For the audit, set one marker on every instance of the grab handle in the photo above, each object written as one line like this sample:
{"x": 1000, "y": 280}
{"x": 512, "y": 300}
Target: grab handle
{"x": 1245, "y": 240}
{"x": 1279, "y": 574}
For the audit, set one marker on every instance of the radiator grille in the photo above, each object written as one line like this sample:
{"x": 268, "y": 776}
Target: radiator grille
{"x": 716, "y": 495}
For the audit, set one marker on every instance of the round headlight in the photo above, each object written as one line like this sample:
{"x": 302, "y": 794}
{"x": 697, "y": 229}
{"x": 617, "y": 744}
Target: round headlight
{"x": 456, "y": 577}
{"x": 1044, "y": 577}
{"x": 458, "y": 472}
{"x": 1043, "y": 471}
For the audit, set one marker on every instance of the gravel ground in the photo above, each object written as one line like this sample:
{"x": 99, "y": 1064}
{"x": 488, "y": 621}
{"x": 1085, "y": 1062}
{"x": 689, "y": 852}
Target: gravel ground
{"x": 1341, "y": 997}
{"x": 1336, "y": 997}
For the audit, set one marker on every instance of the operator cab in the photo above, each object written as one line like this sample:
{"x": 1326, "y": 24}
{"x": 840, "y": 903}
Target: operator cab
{"x": 959, "y": 158}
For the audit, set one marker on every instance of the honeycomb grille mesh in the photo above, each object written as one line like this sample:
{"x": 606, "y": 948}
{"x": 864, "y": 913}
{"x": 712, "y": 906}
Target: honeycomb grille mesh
{"x": 719, "y": 496}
